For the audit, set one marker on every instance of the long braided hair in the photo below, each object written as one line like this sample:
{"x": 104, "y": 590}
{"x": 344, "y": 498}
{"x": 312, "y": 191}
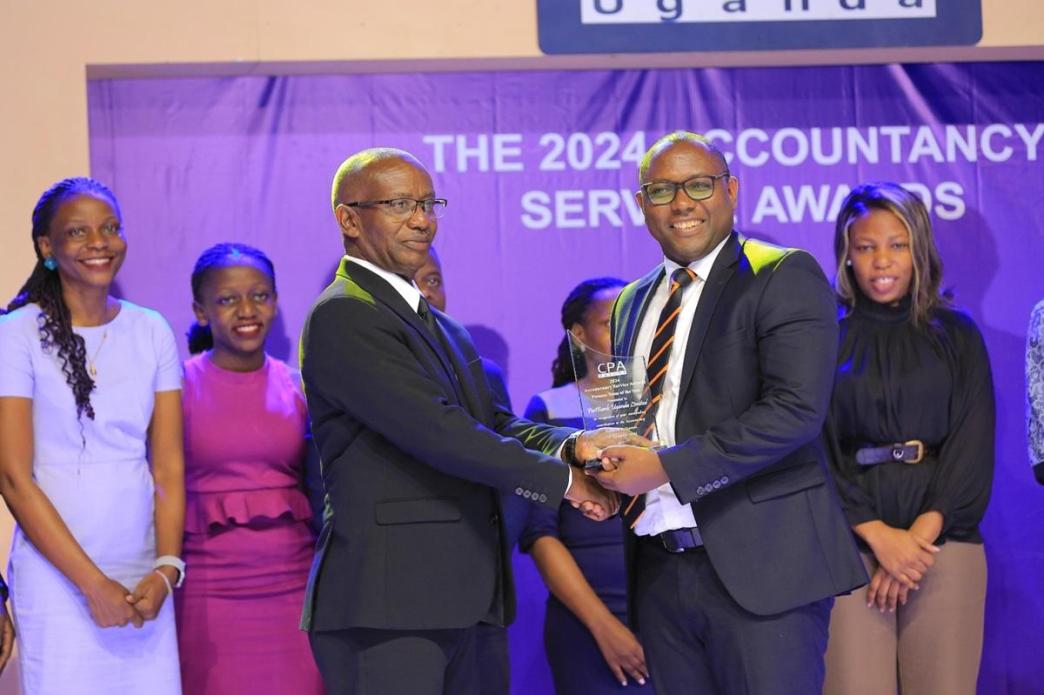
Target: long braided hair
{"x": 44, "y": 288}
{"x": 223, "y": 255}
{"x": 573, "y": 310}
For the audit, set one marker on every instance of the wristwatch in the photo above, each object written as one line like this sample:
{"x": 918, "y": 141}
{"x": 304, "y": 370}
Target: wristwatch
{"x": 569, "y": 449}
{"x": 172, "y": 561}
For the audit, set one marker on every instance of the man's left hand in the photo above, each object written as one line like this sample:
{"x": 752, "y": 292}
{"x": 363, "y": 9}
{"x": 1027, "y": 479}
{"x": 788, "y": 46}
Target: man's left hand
{"x": 593, "y": 501}
{"x": 630, "y": 469}
{"x": 590, "y": 443}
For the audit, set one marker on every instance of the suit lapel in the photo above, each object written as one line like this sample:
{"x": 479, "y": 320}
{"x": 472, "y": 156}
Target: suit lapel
{"x": 386, "y": 295}
{"x": 633, "y": 303}
{"x": 721, "y": 272}
{"x": 630, "y": 309}
{"x": 467, "y": 390}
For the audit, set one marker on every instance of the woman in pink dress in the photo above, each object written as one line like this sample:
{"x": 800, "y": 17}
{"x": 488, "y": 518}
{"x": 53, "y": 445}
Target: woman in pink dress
{"x": 247, "y": 533}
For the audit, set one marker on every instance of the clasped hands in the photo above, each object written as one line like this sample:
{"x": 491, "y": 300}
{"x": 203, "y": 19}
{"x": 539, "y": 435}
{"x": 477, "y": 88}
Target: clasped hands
{"x": 617, "y": 449}
{"x": 904, "y": 557}
{"x": 112, "y": 605}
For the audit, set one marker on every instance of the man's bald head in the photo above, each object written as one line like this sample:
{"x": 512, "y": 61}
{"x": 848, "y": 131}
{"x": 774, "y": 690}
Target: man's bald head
{"x": 376, "y": 197}
{"x": 687, "y": 224}
{"x": 353, "y": 169}
{"x": 669, "y": 140}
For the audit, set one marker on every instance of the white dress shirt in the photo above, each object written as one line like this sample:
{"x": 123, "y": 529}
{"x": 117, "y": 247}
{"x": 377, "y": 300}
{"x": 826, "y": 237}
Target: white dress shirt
{"x": 404, "y": 287}
{"x": 663, "y": 511}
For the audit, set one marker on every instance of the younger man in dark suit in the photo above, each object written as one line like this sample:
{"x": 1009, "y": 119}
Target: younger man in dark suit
{"x": 737, "y": 543}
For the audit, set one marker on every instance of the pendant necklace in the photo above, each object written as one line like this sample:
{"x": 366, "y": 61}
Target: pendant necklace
{"x": 91, "y": 368}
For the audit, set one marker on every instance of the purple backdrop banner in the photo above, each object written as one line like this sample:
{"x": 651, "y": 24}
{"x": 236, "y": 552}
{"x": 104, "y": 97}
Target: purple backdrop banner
{"x": 540, "y": 169}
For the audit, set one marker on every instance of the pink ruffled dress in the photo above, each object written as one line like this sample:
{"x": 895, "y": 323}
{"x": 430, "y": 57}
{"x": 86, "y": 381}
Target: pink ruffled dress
{"x": 248, "y": 542}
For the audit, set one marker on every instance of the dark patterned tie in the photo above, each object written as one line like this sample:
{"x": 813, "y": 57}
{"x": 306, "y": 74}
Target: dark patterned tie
{"x": 656, "y": 369}
{"x": 424, "y": 311}
{"x": 442, "y": 340}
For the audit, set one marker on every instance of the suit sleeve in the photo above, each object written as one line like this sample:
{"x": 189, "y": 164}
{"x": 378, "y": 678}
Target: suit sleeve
{"x": 356, "y": 358}
{"x": 540, "y": 521}
{"x": 313, "y": 483}
{"x": 796, "y": 349}
{"x": 497, "y": 385}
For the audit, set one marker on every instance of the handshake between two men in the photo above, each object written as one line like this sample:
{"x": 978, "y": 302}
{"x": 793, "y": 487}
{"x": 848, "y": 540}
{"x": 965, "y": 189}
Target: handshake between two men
{"x": 613, "y": 460}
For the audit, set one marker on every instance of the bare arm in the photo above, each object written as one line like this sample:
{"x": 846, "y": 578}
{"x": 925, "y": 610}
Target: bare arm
{"x": 42, "y": 524}
{"x": 167, "y": 456}
{"x": 563, "y": 577}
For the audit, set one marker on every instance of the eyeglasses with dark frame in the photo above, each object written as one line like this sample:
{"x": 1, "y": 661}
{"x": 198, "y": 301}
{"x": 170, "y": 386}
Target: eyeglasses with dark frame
{"x": 698, "y": 188}
{"x": 405, "y": 207}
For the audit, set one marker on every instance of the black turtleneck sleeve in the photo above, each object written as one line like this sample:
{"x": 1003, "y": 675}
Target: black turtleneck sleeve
{"x": 896, "y": 382}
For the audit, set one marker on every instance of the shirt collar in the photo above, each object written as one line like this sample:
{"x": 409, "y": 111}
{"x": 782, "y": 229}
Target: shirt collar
{"x": 702, "y": 266}
{"x": 404, "y": 287}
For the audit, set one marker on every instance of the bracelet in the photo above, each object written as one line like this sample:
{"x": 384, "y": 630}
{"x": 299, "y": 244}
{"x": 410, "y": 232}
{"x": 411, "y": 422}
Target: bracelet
{"x": 170, "y": 589}
{"x": 172, "y": 561}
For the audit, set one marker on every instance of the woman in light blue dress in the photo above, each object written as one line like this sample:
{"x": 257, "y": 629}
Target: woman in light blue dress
{"x": 91, "y": 466}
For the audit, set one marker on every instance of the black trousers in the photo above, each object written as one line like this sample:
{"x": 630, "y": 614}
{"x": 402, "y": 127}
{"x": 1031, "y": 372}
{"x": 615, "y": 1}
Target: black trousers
{"x": 493, "y": 663}
{"x": 362, "y": 661}
{"x": 699, "y": 641}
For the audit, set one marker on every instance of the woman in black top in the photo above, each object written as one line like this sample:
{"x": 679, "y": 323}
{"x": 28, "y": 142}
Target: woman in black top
{"x": 590, "y": 649}
{"x": 912, "y": 429}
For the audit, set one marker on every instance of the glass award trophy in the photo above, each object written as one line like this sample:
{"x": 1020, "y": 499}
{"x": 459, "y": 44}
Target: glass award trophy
{"x": 614, "y": 394}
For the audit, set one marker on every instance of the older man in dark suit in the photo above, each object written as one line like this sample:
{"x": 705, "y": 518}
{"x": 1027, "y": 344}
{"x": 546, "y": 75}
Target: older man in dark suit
{"x": 737, "y": 543}
{"x": 492, "y": 640}
{"x": 414, "y": 450}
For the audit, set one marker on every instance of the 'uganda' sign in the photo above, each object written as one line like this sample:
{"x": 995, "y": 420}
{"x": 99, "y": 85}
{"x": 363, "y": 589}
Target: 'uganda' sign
{"x": 648, "y": 26}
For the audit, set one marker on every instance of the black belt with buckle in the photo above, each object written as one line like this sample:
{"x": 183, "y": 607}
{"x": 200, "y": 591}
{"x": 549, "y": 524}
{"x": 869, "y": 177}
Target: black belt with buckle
{"x": 679, "y": 540}
{"x": 911, "y": 452}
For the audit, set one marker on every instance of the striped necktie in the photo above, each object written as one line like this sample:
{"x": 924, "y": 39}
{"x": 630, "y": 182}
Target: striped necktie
{"x": 656, "y": 369}
{"x": 662, "y": 342}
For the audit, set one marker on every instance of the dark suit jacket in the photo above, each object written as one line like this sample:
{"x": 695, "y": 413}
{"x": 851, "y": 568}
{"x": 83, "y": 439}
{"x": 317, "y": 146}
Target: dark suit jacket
{"x": 414, "y": 448}
{"x": 755, "y": 387}
{"x": 515, "y": 509}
